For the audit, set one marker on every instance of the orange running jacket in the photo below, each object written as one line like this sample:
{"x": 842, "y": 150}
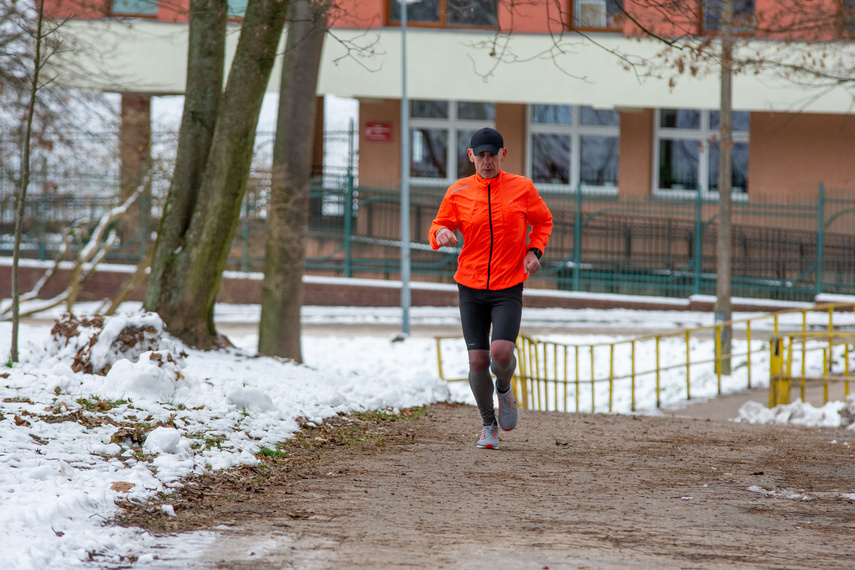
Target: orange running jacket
{"x": 493, "y": 215}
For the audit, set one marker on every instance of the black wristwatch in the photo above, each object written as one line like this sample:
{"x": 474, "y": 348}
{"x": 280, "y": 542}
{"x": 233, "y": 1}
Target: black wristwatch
{"x": 536, "y": 251}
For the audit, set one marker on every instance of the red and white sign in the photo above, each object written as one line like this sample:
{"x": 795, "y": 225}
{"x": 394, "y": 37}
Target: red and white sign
{"x": 378, "y": 132}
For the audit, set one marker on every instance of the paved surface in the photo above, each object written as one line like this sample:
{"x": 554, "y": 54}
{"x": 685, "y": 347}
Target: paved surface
{"x": 563, "y": 491}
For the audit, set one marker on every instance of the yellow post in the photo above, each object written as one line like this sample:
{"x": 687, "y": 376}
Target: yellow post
{"x": 788, "y": 366}
{"x": 577, "y": 378}
{"x": 593, "y": 385}
{"x": 611, "y": 375}
{"x": 804, "y": 342}
{"x": 555, "y": 373}
{"x": 779, "y": 388}
{"x": 566, "y": 376}
{"x": 688, "y": 369}
{"x": 748, "y": 336}
{"x": 522, "y": 361}
{"x": 717, "y": 341}
{"x": 658, "y": 375}
{"x": 632, "y": 386}
{"x": 439, "y": 359}
{"x": 537, "y": 376}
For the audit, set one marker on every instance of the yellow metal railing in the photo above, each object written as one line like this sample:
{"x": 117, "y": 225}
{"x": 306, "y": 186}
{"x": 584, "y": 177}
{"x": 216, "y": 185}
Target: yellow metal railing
{"x": 613, "y": 374}
{"x": 817, "y": 353}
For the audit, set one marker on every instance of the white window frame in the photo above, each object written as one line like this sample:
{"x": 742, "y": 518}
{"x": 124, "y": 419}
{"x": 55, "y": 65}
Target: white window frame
{"x": 451, "y": 125}
{"x": 703, "y": 135}
{"x": 576, "y": 130}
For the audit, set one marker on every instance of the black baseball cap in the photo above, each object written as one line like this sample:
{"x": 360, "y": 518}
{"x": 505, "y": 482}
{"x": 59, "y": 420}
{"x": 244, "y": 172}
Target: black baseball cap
{"x": 486, "y": 139}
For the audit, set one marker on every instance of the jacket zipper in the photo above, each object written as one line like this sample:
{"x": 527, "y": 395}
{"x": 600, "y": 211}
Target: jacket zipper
{"x": 490, "y": 215}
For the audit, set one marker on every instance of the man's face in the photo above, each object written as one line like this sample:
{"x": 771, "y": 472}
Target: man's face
{"x": 487, "y": 164}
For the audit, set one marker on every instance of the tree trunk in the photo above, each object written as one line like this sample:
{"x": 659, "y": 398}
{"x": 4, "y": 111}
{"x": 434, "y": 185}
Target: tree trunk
{"x": 723, "y": 303}
{"x": 282, "y": 292}
{"x": 38, "y": 62}
{"x": 187, "y": 305}
{"x": 135, "y": 161}
{"x": 205, "y": 71}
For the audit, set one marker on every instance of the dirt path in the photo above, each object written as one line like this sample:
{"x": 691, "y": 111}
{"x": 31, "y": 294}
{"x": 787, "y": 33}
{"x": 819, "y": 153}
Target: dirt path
{"x": 563, "y": 491}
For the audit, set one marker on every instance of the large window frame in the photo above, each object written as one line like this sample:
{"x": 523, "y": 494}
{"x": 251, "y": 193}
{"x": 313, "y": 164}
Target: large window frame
{"x": 482, "y": 14}
{"x": 744, "y": 13}
{"x": 134, "y": 8}
{"x": 699, "y": 134}
{"x": 572, "y": 124}
{"x": 461, "y": 119}
{"x": 149, "y": 8}
{"x": 597, "y": 16}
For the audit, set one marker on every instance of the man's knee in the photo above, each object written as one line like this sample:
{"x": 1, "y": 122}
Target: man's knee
{"x": 502, "y": 351}
{"x": 478, "y": 360}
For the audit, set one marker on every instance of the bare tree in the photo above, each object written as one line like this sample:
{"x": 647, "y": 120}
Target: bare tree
{"x": 205, "y": 72}
{"x": 724, "y": 248}
{"x": 99, "y": 242}
{"x": 804, "y": 42}
{"x": 36, "y": 33}
{"x": 36, "y": 104}
{"x": 795, "y": 41}
{"x": 188, "y": 269}
{"x": 282, "y": 293}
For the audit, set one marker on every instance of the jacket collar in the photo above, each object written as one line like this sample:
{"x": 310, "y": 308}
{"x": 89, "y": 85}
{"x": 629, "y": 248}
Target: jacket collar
{"x": 482, "y": 182}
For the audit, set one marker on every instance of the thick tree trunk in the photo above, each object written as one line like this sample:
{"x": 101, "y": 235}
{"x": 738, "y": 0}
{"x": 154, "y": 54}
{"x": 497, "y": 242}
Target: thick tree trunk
{"x": 205, "y": 72}
{"x": 188, "y": 307}
{"x": 282, "y": 292}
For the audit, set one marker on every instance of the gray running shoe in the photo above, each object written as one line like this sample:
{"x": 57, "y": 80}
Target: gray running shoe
{"x": 489, "y": 437}
{"x": 508, "y": 412}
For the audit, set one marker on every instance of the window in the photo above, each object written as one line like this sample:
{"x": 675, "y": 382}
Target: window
{"x": 237, "y": 8}
{"x": 687, "y": 149}
{"x": 847, "y": 17}
{"x": 597, "y": 14}
{"x": 743, "y": 15}
{"x": 440, "y": 133}
{"x": 447, "y": 13}
{"x": 571, "y": 145}
{"x": 133, "y": 7}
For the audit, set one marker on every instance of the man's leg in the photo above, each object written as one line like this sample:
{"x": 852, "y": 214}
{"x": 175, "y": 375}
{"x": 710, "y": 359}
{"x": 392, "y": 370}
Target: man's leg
{"x": 475, "y": 320}
{"x": 481, "y": 384}
{"x": 504, "y": 371}
{"x": 506, "y": 315}
{"x": 503, "y": 364}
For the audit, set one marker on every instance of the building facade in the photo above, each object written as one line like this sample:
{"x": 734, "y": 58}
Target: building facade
{"x": 583, "y": 94}
{"x": 614, "y": 102}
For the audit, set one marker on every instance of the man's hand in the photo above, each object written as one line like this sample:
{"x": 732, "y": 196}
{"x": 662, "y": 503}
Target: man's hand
{"x": 531, "y": 264}
{"x": 446, "y": 238}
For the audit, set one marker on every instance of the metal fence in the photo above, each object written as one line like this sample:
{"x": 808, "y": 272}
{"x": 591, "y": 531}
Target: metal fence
{"x": 796, "y": 347}
{"x": 662, "y": 247}
{"x": 657, "y": 246}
